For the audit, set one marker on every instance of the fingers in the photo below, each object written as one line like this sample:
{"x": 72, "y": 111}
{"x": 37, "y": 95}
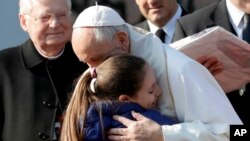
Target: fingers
{"x": 119, "y": 134}
{"x": 125, "y": 121}
{"x": 117, "y": 131}
{"x": 207, "y": 61}
{"x": 216, "y": 69}
{"x": 211, "y": 63}
{"x": 202, "y": 59}
{"x": 137, "y": 116}
{"x": 118, "y": 138}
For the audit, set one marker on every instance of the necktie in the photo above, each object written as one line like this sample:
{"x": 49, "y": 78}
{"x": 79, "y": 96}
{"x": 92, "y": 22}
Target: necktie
{"x": 161, "y": 34}
{"x": 245, "y": 37}
{"x": 246, "y": 28}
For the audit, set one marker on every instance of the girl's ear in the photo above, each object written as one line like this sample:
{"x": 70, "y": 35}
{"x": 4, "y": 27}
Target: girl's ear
{"x": 124, "y": 98}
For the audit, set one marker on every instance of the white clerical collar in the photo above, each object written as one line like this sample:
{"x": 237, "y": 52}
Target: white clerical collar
{"x": 50, "y": 57}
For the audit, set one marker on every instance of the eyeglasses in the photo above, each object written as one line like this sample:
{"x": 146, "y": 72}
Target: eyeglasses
{"x": 49, "y": 16}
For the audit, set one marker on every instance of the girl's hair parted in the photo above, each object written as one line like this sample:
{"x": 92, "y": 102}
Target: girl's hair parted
{"x": 119, "y": 74}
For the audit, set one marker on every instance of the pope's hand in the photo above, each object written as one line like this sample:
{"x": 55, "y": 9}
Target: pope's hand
{"x": 143, "y": 129}
{"x": 211, "y": 63}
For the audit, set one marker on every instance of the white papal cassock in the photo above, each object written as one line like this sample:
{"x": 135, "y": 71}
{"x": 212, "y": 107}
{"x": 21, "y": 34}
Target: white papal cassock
{"x": 190, "y": 93}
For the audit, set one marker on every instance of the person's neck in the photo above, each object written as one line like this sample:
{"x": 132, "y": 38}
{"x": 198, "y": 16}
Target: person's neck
{"x": 163, "y": 21}
{"x": 51, "y": 55}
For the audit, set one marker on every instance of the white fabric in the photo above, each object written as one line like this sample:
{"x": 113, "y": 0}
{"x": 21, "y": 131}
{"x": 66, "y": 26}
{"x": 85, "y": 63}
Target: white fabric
{"x": 98, "y": 16}
{"x": 149, "y": 47}
{"x": 196, "y": 100}
{"x": 191, "y": 95}
{"x": 196, "y": 131}
{"x": 231, "y": 51}
{"x": 235, "y": 17}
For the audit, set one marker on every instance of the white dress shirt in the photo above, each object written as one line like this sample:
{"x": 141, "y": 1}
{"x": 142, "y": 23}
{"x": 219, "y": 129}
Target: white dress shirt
{"x": 169, "y": 27}
{"x": 236, "y": 19}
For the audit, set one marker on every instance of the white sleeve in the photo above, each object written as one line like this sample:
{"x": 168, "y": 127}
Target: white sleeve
{"x": 202, "y": 108}
{"x": 196, "y": 93}
{"x": 190, "y": 93}
{"x": 195, "y": 131}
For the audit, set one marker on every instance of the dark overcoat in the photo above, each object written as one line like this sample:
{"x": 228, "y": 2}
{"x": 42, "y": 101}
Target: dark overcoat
{"x": 33, "y": 91}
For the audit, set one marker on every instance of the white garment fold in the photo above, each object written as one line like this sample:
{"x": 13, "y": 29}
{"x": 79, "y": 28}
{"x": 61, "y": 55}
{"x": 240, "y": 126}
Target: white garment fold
{"x": 190, "y": 93}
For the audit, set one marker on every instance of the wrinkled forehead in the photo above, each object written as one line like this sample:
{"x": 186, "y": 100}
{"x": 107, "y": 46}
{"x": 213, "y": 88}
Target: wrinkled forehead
{"x": 51, "y": 6}
{"x": 83, "y": 37}
{"x": 86, "y": 47}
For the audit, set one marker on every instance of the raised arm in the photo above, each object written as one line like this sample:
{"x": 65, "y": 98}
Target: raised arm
{"x": 190, "y": 93}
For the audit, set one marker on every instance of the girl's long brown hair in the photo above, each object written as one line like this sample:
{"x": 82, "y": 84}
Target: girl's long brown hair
{"x": 120, "y": 74}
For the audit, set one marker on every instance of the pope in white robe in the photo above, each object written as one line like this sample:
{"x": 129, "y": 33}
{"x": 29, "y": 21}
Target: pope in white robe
{"x": 191, "y": 95}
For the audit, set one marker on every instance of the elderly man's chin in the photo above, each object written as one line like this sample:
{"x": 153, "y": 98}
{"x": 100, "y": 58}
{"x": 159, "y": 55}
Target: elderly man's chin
{"x": 56, "y": 40}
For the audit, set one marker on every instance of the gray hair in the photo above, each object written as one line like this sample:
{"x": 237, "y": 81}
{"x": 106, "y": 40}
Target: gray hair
{"x": 25, "y": 6}
{"x": 108, "y": 32}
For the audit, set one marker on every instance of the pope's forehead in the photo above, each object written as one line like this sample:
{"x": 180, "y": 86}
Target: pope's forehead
{"x": 82, "y": 31}
{"x": 86, "y": 38}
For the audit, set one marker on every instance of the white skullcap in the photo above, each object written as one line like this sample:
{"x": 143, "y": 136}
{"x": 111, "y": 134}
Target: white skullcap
{"x": 98, "y": 16}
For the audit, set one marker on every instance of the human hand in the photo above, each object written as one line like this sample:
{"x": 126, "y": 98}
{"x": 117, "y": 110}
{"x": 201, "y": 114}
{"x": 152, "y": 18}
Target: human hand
{"x": 211, "y": 63}
{"x": 143, "y": 129}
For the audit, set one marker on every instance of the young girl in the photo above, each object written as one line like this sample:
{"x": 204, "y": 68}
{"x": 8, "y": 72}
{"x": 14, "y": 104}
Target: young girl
{"x": 119, "y": 85}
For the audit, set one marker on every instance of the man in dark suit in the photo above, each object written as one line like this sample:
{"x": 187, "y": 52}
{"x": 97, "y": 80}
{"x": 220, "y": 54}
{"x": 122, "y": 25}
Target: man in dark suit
{"x": 160, "y": 14}
{"x": 193, "y": 5}
{"x": 229, "y": 15}
{"x": 161, "y": 18}
{"x": 36, "y": 77}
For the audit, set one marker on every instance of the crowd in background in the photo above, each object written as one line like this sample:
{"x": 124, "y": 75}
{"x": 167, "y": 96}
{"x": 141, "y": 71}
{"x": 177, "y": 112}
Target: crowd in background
{"x": 129, "y": 10}
{"x": 40, "y": 77}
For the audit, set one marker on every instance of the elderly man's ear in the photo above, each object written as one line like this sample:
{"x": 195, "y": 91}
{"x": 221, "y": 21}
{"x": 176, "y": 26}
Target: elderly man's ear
{"x": 23, "y": 22}
{"x": 123, "y": 40}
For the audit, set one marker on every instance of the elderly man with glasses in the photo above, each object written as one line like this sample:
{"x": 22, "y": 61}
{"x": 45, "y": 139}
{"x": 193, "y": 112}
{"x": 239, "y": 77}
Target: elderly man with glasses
{"x": 36, "y": 77}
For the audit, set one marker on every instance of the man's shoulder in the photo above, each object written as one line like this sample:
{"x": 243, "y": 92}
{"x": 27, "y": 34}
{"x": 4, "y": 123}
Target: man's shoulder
{"x": 199, "y": 14}
{"x": 196, "y": 21}
{"x": 143, "y": 25}
{"x": 9, "y": 52}
{"x": 12, "y": 54}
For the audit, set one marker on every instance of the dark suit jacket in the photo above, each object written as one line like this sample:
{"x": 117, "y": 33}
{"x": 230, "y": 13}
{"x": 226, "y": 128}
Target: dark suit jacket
{"x": 144, "y": 24}
{"x": 214, "y": 15}
{"x": 33, "y": 90}
{"x": 192, "y": 5}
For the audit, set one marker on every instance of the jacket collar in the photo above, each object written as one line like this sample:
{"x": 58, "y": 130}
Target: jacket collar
{"x": 30, "y": 55}
{"x": 220, "y": 17}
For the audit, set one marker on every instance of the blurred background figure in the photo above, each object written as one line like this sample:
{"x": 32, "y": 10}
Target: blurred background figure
{"x": 232, "y": 15}
{"x": 36, "y": 76}
{"x": 161, "y": 16}
{"x": 10, "y": 29}
{"x": 193, "y": 5}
